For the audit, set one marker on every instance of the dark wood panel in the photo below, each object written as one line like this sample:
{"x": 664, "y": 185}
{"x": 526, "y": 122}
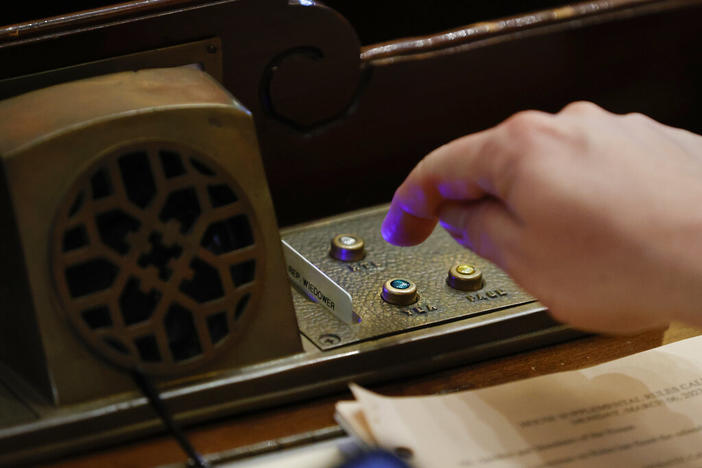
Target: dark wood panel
{"x": 413, "y": 103}
{"x": 340, "y": 130}
{"x": 383, "y": 21}
{"x": 373, "y": 21}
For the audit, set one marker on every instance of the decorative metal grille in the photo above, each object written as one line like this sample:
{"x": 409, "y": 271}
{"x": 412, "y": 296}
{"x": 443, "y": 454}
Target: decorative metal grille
{"x": 157, "y": 258}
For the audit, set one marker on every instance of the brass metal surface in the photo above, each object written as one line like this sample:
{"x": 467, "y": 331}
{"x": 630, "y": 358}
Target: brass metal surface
{"x": 426, "y": 265}
{"x": 205, "y": 54}
{"x": 14, "y": 411}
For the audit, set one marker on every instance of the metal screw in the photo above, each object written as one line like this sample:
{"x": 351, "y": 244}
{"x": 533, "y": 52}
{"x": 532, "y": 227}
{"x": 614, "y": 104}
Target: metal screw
{"x": 211, "y": 48}
{"x": 329, "y": 339}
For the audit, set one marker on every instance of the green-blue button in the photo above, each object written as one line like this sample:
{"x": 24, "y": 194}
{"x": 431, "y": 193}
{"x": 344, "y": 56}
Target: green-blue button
{"x": 399, "y": 291}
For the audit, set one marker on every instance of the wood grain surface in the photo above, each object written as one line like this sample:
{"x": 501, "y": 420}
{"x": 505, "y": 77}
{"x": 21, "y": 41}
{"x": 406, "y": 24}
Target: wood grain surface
{"x": 298, "y": 418}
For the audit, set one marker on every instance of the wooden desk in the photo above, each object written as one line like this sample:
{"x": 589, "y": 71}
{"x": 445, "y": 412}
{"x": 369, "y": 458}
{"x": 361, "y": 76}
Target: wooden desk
{"x": 294, "y": 419}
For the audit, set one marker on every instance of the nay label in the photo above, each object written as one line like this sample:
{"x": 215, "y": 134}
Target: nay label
{"x": 318, "y": 286}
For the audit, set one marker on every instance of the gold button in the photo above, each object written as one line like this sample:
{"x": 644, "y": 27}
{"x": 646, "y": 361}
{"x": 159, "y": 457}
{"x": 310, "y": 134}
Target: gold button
{"x": 399, "y": 291}
{"x": 347, "y": 248}
{"x": 465, "y": 277}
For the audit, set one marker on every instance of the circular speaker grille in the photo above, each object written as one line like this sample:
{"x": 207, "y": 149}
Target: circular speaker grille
{"x": 157, "y": 257}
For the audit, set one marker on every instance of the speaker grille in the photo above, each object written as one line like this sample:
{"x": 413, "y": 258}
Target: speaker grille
{"x": 156, "y": 257}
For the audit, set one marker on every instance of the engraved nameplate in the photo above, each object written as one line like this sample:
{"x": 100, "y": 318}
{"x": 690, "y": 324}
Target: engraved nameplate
{"x": 317, "y": 286}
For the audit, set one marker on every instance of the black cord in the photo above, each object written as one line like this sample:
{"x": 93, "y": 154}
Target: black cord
{"x": 156, "y": 402}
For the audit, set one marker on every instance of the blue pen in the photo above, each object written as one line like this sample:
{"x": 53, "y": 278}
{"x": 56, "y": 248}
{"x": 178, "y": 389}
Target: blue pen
{"x": 375, "y": 459}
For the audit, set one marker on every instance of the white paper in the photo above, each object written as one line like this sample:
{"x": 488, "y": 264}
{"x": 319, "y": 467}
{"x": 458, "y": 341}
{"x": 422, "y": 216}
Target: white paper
{"x": 643, "y": 410}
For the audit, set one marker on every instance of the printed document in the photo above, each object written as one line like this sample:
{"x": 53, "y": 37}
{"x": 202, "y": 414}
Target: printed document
{"x": 644, "y": 410}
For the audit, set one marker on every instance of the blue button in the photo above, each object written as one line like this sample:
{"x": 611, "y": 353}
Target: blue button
{"x": 400, "y": 284}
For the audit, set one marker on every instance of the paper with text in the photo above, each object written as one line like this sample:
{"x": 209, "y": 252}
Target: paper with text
{"x": 643, "y": 410}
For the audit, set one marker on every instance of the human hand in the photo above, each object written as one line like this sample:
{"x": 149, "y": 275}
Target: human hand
{"x": 597, "y": 215}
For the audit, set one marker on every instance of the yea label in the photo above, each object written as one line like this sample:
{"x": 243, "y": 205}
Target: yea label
{"x": 418, "y": 309}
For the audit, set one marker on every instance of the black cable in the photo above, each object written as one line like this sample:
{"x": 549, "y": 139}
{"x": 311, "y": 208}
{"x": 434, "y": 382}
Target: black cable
{"x": 156, "y": 402}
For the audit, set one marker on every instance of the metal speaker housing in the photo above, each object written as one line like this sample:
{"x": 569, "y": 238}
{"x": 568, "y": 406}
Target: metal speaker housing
{"x": 140, "y": 234}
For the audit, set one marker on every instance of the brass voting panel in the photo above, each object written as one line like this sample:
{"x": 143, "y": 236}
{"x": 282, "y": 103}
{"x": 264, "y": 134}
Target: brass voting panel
{"x": 427, "y": 265}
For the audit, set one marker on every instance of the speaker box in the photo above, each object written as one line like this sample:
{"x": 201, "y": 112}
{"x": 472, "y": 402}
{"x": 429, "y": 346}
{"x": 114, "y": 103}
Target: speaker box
{"x": 137, "y": 232}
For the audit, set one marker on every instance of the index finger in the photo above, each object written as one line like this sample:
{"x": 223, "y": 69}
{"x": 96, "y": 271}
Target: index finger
{"x": 466, "y": 169}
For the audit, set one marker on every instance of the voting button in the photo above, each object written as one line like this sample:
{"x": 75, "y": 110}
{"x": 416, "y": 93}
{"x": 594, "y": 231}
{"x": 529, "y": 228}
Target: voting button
{"x": 465, "y": 277}
{"x": 399, "y": 291}
{"x": 347, "y": 248}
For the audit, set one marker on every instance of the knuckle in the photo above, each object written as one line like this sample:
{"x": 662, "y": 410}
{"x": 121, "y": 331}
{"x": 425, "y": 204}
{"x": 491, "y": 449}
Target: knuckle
{"x": 637, "y": 117}
{"x": 527, "y": 131}
{"x": 523, "y": 125}
{"x": 517, "y": 169}
{"x": 583, "y": 107}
